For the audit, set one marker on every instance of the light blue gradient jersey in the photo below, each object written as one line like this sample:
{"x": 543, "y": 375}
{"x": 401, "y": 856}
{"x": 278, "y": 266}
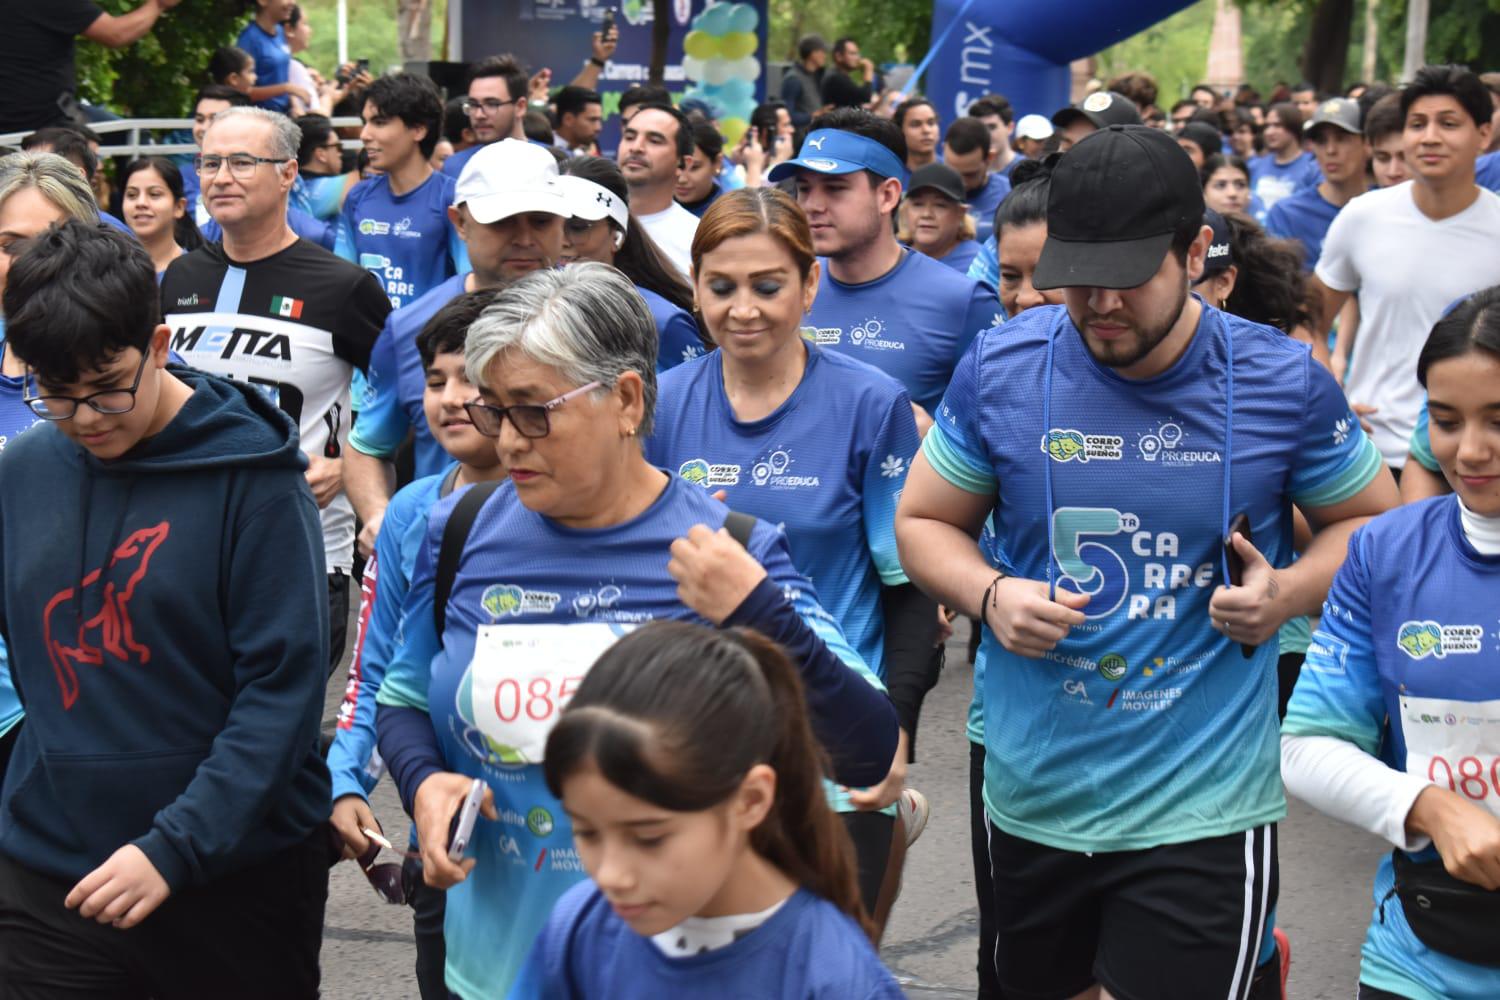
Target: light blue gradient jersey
{"x": 520, "y": 568}
{"x": 393, "y": 400}
{"x": 1145, "y": 726}
{"x": 320, "y": 196}
{"x": 352, "y": 761}
{"x": 828, "y": 466}
{"x": 1405, "y": 665}
{"x": 405, "y": 240}
{"x": 1421, "y": 442}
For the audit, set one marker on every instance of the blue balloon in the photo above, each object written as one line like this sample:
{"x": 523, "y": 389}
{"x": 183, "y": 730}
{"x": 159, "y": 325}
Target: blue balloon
{"x": 737, "y": 90}
{"x": 714, "y": 20}
{"x": 743, "y": 18}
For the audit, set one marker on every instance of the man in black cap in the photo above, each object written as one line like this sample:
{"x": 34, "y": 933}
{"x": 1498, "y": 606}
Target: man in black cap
{"x": 1101, "y": 109}
{"x": 1338, "y": 141}
{"x": 1199, "y": 140}
{"x": 1132, "y": 782}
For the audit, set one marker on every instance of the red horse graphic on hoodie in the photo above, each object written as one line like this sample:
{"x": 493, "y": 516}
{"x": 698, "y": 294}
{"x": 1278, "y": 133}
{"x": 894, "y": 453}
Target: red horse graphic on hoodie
{"x": 110, "y": 630}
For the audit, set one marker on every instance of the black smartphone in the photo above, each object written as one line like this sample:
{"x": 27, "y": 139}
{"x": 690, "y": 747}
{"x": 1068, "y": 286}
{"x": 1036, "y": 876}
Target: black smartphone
{"x": 361, "y": 66}
{"x": 607, "y": 25}
{"x": 1239, "y": 524}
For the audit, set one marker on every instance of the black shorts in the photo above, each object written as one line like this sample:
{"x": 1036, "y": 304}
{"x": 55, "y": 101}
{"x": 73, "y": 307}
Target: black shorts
{"x": 1176, "y": 922}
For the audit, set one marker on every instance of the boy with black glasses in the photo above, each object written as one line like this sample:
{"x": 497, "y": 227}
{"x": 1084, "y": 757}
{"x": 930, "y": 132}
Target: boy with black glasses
{"x": 163, "y": 819}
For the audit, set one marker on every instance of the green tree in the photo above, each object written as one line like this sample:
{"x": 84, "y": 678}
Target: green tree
{"x": 887, "y": 30}
{"x": 157, "y": 75}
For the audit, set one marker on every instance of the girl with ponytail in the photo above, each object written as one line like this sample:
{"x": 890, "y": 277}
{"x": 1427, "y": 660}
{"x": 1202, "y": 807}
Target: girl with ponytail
{"x": 694, "y": 784}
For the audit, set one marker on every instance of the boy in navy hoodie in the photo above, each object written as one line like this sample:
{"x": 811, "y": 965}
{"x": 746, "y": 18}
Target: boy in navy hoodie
{"x": 163, "y": 818}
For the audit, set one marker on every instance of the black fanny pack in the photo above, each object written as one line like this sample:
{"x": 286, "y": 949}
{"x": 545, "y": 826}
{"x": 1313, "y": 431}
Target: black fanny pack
{"x": 1448, "y": 915}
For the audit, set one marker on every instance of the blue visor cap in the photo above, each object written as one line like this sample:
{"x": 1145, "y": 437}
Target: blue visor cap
{"x": 834, "y": 151}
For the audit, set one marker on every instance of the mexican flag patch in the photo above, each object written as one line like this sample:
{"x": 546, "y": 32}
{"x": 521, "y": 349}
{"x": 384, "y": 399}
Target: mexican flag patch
{"x": 286, "y": 308}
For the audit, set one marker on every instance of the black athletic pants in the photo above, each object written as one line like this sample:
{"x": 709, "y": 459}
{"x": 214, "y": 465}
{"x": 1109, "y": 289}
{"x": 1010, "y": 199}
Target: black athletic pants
{"x": 871, "y": 833}
{"x": 984, "y": 888}
{"x": 252, "y": 935}
{"x": 428, "y": 906}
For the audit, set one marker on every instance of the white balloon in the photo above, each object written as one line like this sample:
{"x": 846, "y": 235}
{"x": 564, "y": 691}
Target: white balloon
{"x": 692, "y": 67}
{"x": 746, "y": 68}
{"x": 717, "y": 71}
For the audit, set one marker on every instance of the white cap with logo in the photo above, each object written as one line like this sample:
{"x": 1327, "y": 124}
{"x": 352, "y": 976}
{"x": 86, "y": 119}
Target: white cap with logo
{"x": 593, "y": 201}
{"x": 508, "y": 178}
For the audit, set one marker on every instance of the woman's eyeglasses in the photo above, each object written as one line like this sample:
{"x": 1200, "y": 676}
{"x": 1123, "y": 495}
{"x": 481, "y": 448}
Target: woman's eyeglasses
{"x": 529, "y": 419}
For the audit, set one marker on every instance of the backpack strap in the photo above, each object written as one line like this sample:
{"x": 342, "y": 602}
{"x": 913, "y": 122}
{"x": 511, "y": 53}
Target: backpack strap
{"x": 740, "y": 526}
{"x": 451, "y": 551}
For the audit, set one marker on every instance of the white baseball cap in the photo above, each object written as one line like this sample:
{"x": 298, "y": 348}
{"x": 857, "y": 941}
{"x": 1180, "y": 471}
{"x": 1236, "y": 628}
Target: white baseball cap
{"x": 593, "y": 201}
{"x": 1034, "y": 127}
{"x": 509, "y": 177}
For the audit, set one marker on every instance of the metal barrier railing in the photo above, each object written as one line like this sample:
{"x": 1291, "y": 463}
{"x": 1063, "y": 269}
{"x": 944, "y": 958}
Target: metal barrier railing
{"x": 134, "y": 127}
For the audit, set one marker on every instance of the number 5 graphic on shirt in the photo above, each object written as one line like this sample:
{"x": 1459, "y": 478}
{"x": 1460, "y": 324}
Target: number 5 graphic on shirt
{"x": 1089, "y": 567}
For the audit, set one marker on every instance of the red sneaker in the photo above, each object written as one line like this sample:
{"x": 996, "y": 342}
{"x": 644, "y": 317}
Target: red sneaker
{"x": 1284, "y": 952}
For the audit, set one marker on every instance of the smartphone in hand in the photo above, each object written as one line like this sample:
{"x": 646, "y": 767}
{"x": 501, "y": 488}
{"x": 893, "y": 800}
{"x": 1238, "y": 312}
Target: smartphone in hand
{"x": 463, "y": 823}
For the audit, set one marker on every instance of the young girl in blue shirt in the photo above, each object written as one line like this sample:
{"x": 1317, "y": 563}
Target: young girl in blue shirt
{"x": 689, "y": 770}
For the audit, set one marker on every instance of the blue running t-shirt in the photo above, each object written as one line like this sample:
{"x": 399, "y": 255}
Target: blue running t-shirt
{"x": 1405, "y": 665}
{"x": 405, "y": 240}
{"x": 983, "y": 201}
{"x": 1304, "y": 217}
{"x": 320, "y": 196}
{"x": 273, "y": 62}
{"x": 1270, "y": 181}
{"x": 913, "y": 322}
{"x": 393, "y": 401}
{"x": 520, "y": 568}
{"x": 1145, "y": 726}
{"x": 676, "y": 331}
{"x": 835, "y": 494}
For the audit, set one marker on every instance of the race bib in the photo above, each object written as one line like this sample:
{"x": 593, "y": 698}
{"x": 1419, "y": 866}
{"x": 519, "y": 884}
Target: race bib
{"x": 523, "y": 676}
{"x": 1456, "y": 745}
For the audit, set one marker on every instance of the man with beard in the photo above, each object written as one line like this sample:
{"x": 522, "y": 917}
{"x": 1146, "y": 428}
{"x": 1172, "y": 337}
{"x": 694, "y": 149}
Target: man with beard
{"x": 1132, "y": 783}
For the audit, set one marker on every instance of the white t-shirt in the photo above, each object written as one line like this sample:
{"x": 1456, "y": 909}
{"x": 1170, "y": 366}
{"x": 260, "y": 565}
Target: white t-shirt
{"x": 673, "y": 230}
{"x": 1407, "y": 269}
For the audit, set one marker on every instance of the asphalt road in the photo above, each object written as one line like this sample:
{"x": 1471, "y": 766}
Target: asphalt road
{"x": 1326, "y": 869}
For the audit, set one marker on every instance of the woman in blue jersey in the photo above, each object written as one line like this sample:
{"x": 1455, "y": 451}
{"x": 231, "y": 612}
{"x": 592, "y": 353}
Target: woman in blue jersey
{"x": 36, "y": 191}
{"x": 584, "y": 541}
{"x": 816, "y": 442}
{"x": 1395, "y": 722}
{"x": 611, "y": 235}
{"x": 692, "y": 778}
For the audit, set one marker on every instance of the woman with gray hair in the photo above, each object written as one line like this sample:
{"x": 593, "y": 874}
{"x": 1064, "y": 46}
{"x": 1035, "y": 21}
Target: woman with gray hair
{"x": 518, "y": 589}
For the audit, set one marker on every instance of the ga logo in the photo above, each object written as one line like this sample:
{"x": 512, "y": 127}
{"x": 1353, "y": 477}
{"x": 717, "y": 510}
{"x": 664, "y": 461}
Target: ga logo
{"x": 1420, "y": 640}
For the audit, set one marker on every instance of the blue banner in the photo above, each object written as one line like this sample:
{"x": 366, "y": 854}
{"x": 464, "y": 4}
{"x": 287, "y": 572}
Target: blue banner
{"x": 1022, "y": 50}
{"x": 715, "y": 51}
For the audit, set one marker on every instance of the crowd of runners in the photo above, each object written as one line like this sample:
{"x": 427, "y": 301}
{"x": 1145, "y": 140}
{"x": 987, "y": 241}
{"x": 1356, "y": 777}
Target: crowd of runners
{"x": 640, "y": 493}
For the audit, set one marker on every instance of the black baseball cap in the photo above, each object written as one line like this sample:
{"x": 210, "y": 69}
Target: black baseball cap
{"x": 1103, "y": 107}
{"x": 1220, "y": 255}
{"x": 1204, "y": 135}
{"x": 1113, "y": 205}
{"x": 940, "y": 177}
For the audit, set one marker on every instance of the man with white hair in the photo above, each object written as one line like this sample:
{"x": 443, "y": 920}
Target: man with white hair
{"x": 271, "y": 308}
